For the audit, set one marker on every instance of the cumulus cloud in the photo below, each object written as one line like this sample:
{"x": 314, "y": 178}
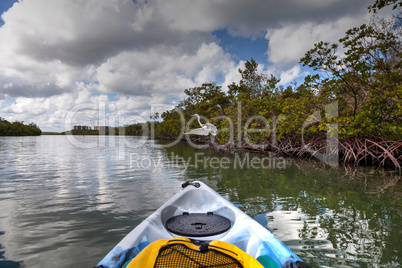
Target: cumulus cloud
{"x": 52, "y": 44}
{"x": 57, "y": 54}
{"x": 162, "y": 70}
{"x": 73, "y": 32}
{"x": 290, "y": 42}
{"x": 83, "y": 107}
{"x": 247, "y": 18}
{"x": 292, "y": 74}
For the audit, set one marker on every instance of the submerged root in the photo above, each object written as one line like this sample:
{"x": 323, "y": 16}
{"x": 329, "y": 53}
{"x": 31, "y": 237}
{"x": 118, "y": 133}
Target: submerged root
{"x": 370, "y": 152}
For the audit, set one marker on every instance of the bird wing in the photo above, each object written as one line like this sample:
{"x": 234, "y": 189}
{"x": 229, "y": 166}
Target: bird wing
{"x": 211, "y": 129}
{"x": 198, "y": 131}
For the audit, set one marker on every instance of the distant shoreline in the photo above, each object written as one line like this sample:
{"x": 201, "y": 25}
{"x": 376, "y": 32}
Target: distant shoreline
{"x": 8, "y": 129}
{"x": 88, "y": 133}
{"x": 52, "y": 133}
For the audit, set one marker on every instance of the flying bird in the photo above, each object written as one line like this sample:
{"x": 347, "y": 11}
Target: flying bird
{"x": 205, "y": 129}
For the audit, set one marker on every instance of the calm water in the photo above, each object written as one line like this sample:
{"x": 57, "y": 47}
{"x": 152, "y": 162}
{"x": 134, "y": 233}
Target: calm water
{"x": 66, "y": 206}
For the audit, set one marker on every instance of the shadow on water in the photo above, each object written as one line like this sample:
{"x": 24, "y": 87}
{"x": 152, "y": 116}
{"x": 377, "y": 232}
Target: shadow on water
{"x": 4, "y": 263}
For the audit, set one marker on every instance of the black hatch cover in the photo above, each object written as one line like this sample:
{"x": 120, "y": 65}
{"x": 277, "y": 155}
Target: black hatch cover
{"x": 198, "y": 224}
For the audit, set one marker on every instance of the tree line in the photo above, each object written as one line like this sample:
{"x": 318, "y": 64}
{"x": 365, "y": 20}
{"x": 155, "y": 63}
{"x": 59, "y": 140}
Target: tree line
{"x": 18, "y": 128}
{"x": 353, "y": 97}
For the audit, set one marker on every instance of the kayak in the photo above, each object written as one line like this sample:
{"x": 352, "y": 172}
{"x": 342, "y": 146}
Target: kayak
{"x": 198, "y": 219}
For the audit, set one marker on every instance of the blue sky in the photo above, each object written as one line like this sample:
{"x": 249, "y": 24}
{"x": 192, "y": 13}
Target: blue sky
{"x": 243, "y": 48}
{"x": 4, "y": 6}
{"x": 59, "y": 54}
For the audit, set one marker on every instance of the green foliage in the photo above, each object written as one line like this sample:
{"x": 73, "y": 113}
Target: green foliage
{"x": 171, "y": 126}
{"x": 364, "y": 79}
{"x": 379, "y": 4}
{"x": 18, "y": 129}
{"x": 129, "y": 130}
{"x": 249, "y": 111}
{"x": 52, "y": 133}
{"x": 136, "y": 129}
{"x": 208, "y": 98}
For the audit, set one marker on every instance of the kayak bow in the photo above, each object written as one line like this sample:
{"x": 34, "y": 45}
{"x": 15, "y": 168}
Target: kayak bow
{"x": 200, "y": 214}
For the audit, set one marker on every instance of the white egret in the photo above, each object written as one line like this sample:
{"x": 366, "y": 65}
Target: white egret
{"x": 205, "y": 129}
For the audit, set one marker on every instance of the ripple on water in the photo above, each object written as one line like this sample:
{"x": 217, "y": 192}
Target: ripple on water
{"x": 66, "y": 206}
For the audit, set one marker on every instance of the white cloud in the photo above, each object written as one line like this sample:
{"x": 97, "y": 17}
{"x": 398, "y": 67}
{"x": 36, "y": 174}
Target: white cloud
{"x": 118, "y": 46}
{"x": 233, "y": 75}
{"x": 292, "y": 74}
{"x": 57, "y": 54}
{"x": 50, "y": 113}
{"x": 247, "y": 18}
{"x": 290, "y": 42}
{"x": 162, "y": 70}
{"x": 50, "y": 44}
{"x": 8, "y": 85}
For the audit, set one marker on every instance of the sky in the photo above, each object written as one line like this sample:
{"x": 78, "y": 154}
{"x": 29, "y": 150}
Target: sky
{"x": 61, "y": 60}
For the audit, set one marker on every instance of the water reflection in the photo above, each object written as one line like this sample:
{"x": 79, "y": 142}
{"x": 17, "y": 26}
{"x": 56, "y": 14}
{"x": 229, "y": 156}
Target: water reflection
{"x": 66, "y": 206}
{"x": 330, "y": 217}
{"x": 3, "y": 261}
{"x": 58, "y": 201}
{"x": 325, "y": 216}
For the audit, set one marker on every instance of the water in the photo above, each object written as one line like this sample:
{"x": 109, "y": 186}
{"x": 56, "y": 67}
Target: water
{"x": 66, "y": 206}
